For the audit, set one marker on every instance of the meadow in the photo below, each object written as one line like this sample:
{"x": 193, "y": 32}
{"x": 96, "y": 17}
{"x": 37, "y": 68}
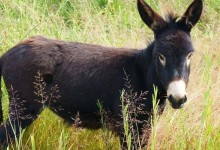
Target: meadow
{"x": 116, "y": 23}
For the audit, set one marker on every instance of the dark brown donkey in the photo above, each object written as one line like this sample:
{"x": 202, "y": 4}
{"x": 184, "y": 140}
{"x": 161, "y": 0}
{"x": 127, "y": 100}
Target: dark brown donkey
{"x": 87, "y": 73}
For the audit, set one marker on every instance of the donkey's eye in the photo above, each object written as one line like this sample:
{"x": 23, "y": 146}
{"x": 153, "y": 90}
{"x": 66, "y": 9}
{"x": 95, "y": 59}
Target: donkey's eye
{"x": 162, "y": 59}
{"x": 189, "y": 55}
{"x": 188, "y": 59}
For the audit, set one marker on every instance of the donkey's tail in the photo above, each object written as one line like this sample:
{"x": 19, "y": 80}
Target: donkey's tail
{"x": 1, "y": 112}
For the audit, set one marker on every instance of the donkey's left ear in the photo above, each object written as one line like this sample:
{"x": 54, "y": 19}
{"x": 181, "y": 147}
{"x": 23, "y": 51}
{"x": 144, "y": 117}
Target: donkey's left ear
{"x": 150, "y": 17}
{"x": 191, "y": 16}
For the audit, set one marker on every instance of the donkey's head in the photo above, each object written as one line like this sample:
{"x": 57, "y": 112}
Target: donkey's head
{"x": 172, "y": 48}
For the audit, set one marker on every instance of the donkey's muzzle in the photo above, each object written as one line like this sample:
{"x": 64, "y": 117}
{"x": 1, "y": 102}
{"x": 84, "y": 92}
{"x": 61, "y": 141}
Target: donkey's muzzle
{"x": 177, "y": 103}
{"x": 176, "y": 93}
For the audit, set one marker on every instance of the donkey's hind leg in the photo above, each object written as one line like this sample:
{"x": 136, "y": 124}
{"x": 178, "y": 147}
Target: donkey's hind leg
{"x": 18, "y": 120}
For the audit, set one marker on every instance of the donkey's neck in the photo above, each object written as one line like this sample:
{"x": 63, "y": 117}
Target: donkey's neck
{"x": 146, "y": 61}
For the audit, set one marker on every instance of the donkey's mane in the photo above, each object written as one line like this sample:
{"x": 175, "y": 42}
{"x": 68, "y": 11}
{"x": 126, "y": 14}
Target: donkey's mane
{"x": 170, "y": 17}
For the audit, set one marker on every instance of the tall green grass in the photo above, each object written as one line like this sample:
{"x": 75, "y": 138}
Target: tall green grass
{"x": 117, "y": 23}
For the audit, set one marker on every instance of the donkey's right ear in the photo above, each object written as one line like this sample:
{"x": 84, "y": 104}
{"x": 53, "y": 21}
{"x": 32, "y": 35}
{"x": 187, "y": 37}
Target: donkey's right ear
{"x": 191, "y": 16}
{"x": 150, "y": 17}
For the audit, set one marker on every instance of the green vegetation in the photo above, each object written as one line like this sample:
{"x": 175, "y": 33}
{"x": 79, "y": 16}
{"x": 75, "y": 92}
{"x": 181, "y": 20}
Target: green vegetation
{"x": 117, "y": 23}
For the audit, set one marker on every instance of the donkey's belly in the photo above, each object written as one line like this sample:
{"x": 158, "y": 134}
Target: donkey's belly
{"x": 77, "y": 117}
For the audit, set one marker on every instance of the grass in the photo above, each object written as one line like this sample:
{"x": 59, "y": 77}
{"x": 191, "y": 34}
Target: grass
{"x": 117, "y": 23}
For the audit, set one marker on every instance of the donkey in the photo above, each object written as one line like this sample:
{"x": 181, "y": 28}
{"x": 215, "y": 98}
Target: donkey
{"x": 86, "y": 74}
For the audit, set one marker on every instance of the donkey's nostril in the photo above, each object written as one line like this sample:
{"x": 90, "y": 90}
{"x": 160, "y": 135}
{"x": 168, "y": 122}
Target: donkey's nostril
{"x": 184, "y": 99}
{"x": 171, "y": 99}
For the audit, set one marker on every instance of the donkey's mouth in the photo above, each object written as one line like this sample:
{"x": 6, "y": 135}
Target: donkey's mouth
{"x": 176, "y": 106}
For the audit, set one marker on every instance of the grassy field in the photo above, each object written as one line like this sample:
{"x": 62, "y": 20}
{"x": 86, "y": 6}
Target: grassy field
{"x": 117, "y": 23}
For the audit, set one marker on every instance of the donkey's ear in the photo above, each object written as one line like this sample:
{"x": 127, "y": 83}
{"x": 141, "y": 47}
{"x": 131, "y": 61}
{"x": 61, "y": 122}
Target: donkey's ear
{"x": 150, "y": 17}
{"x": 191, "y": 16}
